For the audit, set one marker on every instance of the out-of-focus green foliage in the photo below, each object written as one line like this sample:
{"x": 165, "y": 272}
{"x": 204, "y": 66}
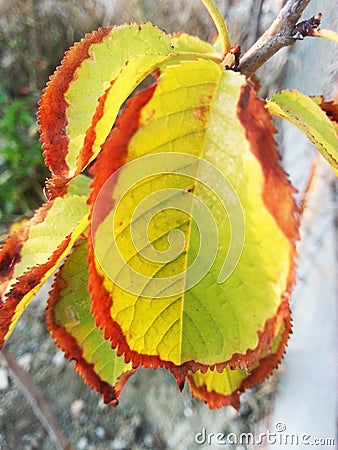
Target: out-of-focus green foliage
{"x": 21, "y": 162}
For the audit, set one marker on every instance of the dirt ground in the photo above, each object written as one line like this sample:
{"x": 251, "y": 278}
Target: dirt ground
{"x": 152, "y": 413}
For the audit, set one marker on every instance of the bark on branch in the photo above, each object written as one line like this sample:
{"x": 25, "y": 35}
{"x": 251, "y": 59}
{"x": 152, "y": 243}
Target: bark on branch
{"x": 278, "y": 35}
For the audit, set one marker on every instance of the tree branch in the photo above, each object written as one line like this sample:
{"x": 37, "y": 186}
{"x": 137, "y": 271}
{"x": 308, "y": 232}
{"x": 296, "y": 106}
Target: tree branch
{"x": 279, "y": 35}
{"x": 34, "y": 397}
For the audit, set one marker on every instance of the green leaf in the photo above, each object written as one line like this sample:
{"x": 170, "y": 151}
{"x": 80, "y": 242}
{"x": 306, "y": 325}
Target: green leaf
{"x": 185, "y": 43}
{"x": 330, "y": 108}
{"x": 198, "y": 117}
{"x": 79, "y": 185}
{"x": 33, "y": 251}
{"x": 72, "y": 325}
{"x": 89, "y": 88}
{"x": 305, "y": 113}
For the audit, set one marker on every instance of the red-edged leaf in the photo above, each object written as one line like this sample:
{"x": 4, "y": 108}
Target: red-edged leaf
{"x": 72, "y": 325}
{"x": 33, "y": 251}
{"x": 83, "y": 97}
{"x": 226, "y": 124}
{"x": 309, "y": 115}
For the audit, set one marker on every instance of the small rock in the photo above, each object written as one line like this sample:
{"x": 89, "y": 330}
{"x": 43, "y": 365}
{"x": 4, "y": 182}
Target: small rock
{"x": 135, "y": 421}
{"x": 59, "y": 359}
{"x": 246, "y": 409}
{"x": 231, "y": 414}
{"x": 100, "y": 404}
{"x": 148, "y": 441}
{"x": 3, "y": 379}
{"x": 188, "y": 412}
{"x": 25, "y": 361}
{"x": 82, "y": 443}
{"x": 76, "y": 407}
{"x": 100, "y": 432}
{"x": 83, "y": 420}
{"x": 119, "y": 444}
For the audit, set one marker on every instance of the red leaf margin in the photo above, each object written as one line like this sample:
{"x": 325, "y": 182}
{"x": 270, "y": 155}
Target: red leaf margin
{"x": 52, "y": 118}
{"x": 330, "y": 108}
{"x": 263, "y": 371}
{"x": 9, "y": 257}
{"x": 101, "y": 307}
{"x": 278, "y": 195}
{"x": 10, "y": 254}
{"x": 68, "y": 344}
{"x": 31, "y": 278}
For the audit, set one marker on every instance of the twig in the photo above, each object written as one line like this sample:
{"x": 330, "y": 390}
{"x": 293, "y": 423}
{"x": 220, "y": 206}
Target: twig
{"x": 279, "y": 35}
{"x": 35, "y": 399}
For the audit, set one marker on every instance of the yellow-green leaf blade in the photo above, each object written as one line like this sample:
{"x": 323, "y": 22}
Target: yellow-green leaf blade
{"x": 31, "y": 254}
{"x": 185, "y": 43}
{"x": 224, "y": 388}
{"x": 79, "y": 88}
{"x": 72, "y": 325}
{"x": 305, "y": 113}
{"x": 198, "y": 109}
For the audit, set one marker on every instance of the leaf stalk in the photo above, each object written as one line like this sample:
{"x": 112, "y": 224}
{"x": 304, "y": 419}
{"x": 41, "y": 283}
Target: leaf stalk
{"x": 220, "y": 24}
{"x": 327, "y": 34}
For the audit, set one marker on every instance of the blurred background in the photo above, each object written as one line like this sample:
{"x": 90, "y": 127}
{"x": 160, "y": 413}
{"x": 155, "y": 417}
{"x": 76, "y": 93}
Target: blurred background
{"x": 34, "y": 34}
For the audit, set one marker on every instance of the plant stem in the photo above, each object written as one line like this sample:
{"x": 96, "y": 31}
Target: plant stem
{"x": 278, "y": 35}
{"x": 327, "y": 34}
{"x": 220, "y": 24}
{"x": 35, "y": 399}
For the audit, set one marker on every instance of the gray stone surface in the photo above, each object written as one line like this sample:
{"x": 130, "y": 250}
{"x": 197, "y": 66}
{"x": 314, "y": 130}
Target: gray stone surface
{"x": 307, "y": 398}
